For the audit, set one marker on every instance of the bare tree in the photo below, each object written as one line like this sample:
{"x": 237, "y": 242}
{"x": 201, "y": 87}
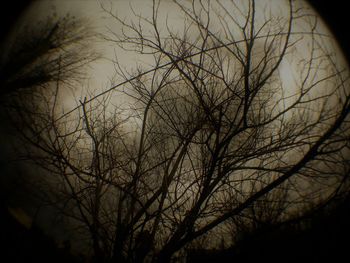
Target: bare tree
{"x": 34, "y": 59}
{"x": 215, "y": 131}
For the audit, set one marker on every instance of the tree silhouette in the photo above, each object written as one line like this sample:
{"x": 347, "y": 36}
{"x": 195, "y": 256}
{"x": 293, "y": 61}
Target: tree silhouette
{"x": 33, "y": 59}
{"x": 215, "y": 132}
{"x": 55, "y": 49}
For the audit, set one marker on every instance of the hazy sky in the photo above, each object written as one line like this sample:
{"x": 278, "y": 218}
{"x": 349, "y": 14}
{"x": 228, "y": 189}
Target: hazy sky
{"x": 102, "y": 71}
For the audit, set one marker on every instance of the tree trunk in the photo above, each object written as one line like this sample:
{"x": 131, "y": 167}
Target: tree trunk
{"x": 118, "y": 256}
{"x": 164, "y": 256}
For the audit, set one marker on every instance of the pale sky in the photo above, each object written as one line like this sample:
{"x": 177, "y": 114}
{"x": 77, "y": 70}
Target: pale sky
{"x": 102, "y": 71}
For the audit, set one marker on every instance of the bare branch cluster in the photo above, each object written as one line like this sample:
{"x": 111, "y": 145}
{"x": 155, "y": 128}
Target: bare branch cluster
{"x": 220, "y": 130}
